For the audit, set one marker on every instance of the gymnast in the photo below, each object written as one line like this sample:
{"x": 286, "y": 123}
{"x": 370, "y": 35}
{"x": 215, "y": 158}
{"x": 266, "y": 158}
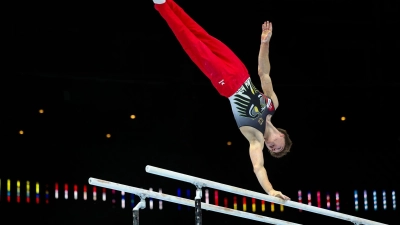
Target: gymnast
{"x": 251, "y": 108}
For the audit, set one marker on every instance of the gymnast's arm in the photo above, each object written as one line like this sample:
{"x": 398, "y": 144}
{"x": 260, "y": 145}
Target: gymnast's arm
{"x": 264, "y": 66}
{"x": 257, "y": 159}
{"x": 263, "y": 71}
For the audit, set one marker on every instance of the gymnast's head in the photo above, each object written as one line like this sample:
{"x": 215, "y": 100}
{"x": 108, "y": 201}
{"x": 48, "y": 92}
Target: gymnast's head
{"x": 280, "y": 145}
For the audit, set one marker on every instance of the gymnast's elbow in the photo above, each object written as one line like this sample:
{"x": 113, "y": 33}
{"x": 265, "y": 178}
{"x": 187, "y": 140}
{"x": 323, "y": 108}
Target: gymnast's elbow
{"x": 257, "y": 168}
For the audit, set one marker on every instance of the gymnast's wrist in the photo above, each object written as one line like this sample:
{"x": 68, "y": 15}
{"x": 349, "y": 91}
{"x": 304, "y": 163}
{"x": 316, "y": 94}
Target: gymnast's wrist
{"x": 265, "y": 43}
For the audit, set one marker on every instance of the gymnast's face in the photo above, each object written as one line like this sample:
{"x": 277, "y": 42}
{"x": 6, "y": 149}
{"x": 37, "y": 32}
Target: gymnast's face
{"x": 277, "y": 145}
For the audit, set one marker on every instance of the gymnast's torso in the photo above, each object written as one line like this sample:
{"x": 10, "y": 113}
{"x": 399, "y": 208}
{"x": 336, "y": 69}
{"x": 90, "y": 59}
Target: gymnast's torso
{"x": 250, "y": 107}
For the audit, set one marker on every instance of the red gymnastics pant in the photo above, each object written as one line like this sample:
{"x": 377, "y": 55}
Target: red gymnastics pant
{"x": 224, "y": 69}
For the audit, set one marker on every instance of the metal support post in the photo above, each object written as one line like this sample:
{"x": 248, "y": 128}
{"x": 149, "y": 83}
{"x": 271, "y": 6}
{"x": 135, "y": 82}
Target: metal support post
{"x": 197, "y": 208}
{"x": 135, "y": 211}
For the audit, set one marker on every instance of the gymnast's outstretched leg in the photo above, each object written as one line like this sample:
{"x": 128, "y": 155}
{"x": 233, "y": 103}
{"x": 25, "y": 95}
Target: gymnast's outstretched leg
{"x": 216, "y": 46}
{"x": 214, "y": 59}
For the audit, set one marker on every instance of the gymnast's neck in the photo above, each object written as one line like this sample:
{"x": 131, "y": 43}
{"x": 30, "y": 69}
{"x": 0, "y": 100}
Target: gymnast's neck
{"x": 270, "y": 130}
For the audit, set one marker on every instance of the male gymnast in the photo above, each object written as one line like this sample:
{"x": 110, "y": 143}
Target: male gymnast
{"x": 251, "y": 108}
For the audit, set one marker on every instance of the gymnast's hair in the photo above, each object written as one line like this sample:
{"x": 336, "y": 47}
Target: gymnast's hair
{"x": 288, "y": 145}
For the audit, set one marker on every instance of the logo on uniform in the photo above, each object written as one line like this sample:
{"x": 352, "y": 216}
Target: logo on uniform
{"x": 250, "y": 102}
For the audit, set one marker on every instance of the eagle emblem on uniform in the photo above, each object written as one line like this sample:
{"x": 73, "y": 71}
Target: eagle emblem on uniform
{"x": 250, "y": 102}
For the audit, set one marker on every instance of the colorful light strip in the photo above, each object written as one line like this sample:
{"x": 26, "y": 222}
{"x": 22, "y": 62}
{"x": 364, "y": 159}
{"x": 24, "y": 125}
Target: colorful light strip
{"x": 47, "y": 194}
{"x": 215, "y": 197}
{"x": 28, "y": 192}
{"x": 18, "y": 191}
{"x": 37, "y": 193}
{"x": 122, "y": 199}
{"x": 151, "y": 200}
{"x": 84, "y": 192}
{"x": 207, "y": 196}
{"x": 188, "y": 195}
{"x": 94, "y": 193}
{"x": 113, "y": 197}
{"x": 8, "y": 190}
{"x": 337, "y": 201}
{"x": 56, "y": 191}
{"x": 65, "y": 191}
{"x": 300, "y": 197}
{"x": 356, "y": 200}
{"x": 365, "y": 200}
{"x": 384, "y": 199}
{"x": 75, "y": 192}
{"x": 328, "y": 200}
{"x": 179, "y": 195}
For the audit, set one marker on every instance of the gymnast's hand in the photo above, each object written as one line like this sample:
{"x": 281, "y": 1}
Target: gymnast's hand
{"x": 278, "y": 194}
{"x": 266, "y": 32}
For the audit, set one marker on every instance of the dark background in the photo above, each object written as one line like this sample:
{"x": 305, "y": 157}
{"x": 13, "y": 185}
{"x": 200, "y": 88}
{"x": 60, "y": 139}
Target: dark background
{"x": 92, "y": 66}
